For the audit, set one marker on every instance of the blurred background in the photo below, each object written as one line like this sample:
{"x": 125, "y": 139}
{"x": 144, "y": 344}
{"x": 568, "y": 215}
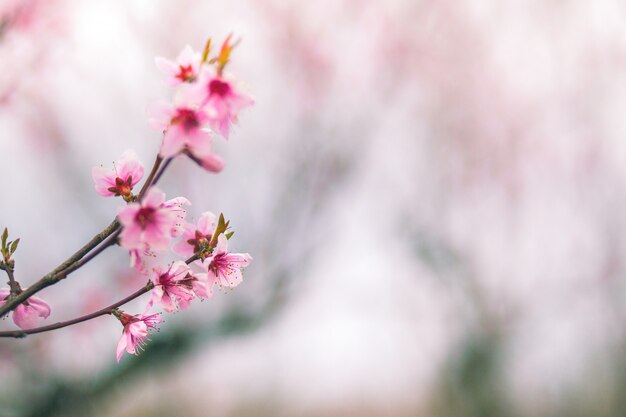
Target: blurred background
{"x": 432, "y": 191}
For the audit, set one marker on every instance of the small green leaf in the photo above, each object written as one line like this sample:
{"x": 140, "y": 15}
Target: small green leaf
{"x": 229, "y": 235}
{"x": 14, "y": 245}
{"x": 5, "y": 235}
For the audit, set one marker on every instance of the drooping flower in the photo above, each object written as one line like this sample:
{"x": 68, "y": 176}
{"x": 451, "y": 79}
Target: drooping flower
{"x": 151, "y": 222}
{"x": 172, "y": 285}
{"x": 27, "y": 315}
{"x": 135, "y": 333}
{"x": 225, "y": 267}
{"x": 120, "y": 180}
{"x": 196, "y": 237}
{"x": 184, "y": 69}
{"x": 221, "y": 99}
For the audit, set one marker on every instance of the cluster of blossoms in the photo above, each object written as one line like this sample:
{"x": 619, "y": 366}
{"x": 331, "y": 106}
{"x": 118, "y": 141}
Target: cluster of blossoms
{"x": 205, "y": 104}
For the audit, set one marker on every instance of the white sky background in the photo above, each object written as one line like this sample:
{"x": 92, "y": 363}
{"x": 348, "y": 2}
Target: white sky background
{"x": 489, "y": 132}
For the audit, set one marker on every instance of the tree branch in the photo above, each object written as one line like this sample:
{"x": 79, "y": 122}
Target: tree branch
{"x": 55, "y": 275}
{"x": 95, "y": 314}
{"x": 60, "y": 325}
{"x": 79, "y": 258}
{"x": 150, "y": 180}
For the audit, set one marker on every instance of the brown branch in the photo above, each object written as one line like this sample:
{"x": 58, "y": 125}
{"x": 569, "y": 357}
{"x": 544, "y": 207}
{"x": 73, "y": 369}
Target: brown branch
{"x": 150, "y": 179}
{"x": 95, "y": 314}
{"x": 80, "y": 258}
{"x": 14, "y": 286}
{"x": 57, "y": 274}
{"x": 60, "y": 325}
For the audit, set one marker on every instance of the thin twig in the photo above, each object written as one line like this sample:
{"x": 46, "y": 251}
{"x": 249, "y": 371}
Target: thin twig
{"x": 95, "y": 314}
{"x": 60, "y": 325}
{"x": 150, "y": 179}
{"x": 161, "y": 171}
{"x": 76, "y": 260}
{"x": 53, "y": 276}
{"x": 13, "y": 285}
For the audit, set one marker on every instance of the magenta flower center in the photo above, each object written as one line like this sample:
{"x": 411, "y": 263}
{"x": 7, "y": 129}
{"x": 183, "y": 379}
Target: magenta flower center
{"x": 219, "y": 88}
{"x": 122, "y": 187}
{"x": 145, "y": 216}
{"x": 198, "y": 242}
{"x": 219, "y": 263}
{"x": 187, "y": 118}
{"x": 185, "y": 73}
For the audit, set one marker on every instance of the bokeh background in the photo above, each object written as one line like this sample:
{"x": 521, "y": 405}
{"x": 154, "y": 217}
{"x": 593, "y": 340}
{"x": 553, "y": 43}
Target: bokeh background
{"x": 433, "y": 192}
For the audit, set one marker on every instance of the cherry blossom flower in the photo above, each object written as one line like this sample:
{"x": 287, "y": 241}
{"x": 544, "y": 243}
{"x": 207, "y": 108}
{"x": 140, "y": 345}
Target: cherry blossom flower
{"x": 221, "y": 99}
{"x": 135, "y": 333}
{"x": 184, "y": 69}
{"x": 186, "y": 131}
{"x": 120, "y": 180}
{"x": 225, "y": 267}
{"x": 196, "y": 237}
{"x": 27, "y": 314}
{"x": 152, "y": 222}
{"x": 172, "y": 283}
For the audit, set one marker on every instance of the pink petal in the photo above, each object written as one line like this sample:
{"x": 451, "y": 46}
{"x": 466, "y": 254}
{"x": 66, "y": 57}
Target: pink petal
{"x": 103, "y": 179}
{"x": 156, "y": 238}
{"x": 153, "y": 198}
{"x": 160, "y": 114}
{"x": 131, "y": 237}
{"x": 25, "y": 317}
{"x": 166, "y": 66}
{"x": 233, "y": 278}
{"x": 40, "y": 306}
{"x": 129, "y": 165}
{"x": 174, "y": 141}
{"x": 212, "y": 163}
{"x": 222, "y": 244}
{"x": 121, "y": 346}
{"x": 127, "y": 214}
{"x": 239, "y": 260}
{"x": 207, "y": 223}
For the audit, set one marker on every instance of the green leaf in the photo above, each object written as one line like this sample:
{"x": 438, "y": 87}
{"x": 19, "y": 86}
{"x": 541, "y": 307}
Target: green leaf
{"x": 14, "y": 245}
{"x": 229, "y": 235}
{"x": 5, "y": 235}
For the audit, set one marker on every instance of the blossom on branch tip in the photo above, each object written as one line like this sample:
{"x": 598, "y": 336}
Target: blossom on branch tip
{"x": 120, "y": 180}
{"x": 184, "y": 69}
{"x": 196, "y": 238}
{"x": 225, "y": 267}
{"x": 135, "y": 333}
{"x": 27, "y": 314}
{"x": 152, "y": 222}
{"x": 221, "y": 99}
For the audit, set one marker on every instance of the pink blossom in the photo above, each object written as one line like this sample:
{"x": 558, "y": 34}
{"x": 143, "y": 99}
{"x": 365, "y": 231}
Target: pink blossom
{"x": 222, "y": 99}
{"x": 175, "y": 282}
{"x": 197, "y": 236}
{"x": 27, "y": 314}
{"x": 135, "y": 333}
{"x": 184, "y": 69}
{"x": 225, "y": 267}
{"x": 121, "y": 179}
{"x": 186, "y": 130}
{"x": 151, "y": 222}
